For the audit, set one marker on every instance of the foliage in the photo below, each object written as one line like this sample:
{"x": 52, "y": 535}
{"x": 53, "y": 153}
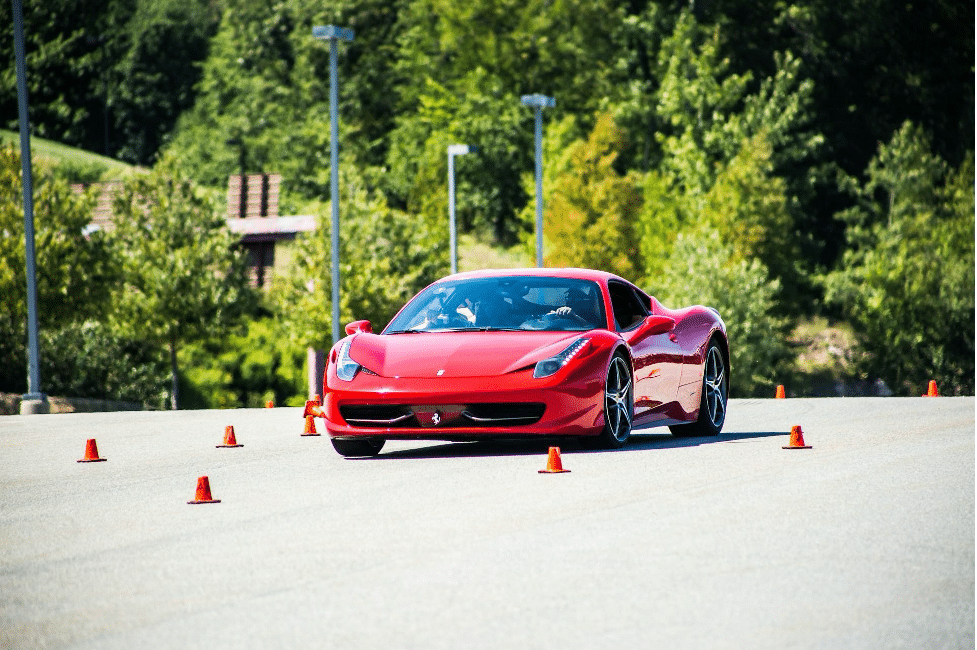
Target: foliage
{"x": 109, "y": 77}
{"x": 74, "y": 271}
{"x": 697, "y": 96}
{"x": 386, "y": 256}
{"x": 182, "y": 278}
{"x": 528, "y": 47}
{"x": 907, "y": 277}
{"x": 748, "y": 206}
{"x": 263, "y": 99}
{"x": 488, "y": 189}
{"x": 153, "y": 82}
{"x": 704, "y": 270}
{"x": 90, "y": 360}
{"x": 244, "y": 370}
{"x": 589, "y": 205}
{"x": 743, "y": 157}
{"x": 740, "y": 117}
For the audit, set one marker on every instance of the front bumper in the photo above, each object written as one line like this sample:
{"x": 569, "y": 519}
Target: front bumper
{"x": 466, "y": 408}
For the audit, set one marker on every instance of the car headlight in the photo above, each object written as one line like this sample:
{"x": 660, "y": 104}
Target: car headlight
{"x": 549, "y": 366}
{"x": 346, "y": 368}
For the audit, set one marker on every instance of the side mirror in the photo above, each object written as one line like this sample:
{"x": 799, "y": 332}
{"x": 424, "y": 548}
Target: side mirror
{"x": 363, "y": 326}
{"x": 649, "y": 327}
{"x": 657, "y": 325}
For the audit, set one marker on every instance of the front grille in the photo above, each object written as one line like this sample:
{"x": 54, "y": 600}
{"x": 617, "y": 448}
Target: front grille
{"x": 379, "y": 415}
{"x": 469, "y": 416}
{"x": 510, "y": 414}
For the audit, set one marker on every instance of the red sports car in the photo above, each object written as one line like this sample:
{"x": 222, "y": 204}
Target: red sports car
{"x": 523, "y": 353}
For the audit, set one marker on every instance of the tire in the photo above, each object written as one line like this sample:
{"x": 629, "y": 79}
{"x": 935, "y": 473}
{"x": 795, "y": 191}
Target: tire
{"x": 715, "y": 395}
{"x": 618, "y": 404}
{"x": 359, "y": 448}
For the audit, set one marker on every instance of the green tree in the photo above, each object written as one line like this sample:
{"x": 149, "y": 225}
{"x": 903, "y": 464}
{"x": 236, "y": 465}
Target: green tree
{"x": 386, "y": 256}
{"x": 110, "y": 77}
{"x": 244, "y": 369}
{"x": 749, "y": 207}
{"x": 703, "y": 270}
{"x": 698, "y": 95}
{"x": 589, "y": 205}
{"x": 557, "y": 48}
{"x": 153, "y": 82}
{"x": 489, "y": 191}
{"x": 263, "y": 98}
{"x": 906, "y": 280}
{"x": 88, "y": 359}
{"x": 183, "y": 279}
{"x": 74, "y": 271}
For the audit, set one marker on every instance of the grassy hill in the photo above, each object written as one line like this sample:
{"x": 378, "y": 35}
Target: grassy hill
{"x": 475, "y": 255}
{"x": 60, "y": 153}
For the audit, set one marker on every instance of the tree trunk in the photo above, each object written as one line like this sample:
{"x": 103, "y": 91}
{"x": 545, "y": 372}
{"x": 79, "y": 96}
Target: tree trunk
{"x": 175, "y": 387}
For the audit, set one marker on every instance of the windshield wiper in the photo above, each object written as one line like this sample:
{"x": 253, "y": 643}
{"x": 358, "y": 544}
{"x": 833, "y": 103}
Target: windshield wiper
{"x": 492, "y": 328}
{"x": 484, "y": 328}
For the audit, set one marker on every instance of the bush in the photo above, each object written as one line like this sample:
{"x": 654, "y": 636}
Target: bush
{"x": 244, "y": 371}
{"x": 703, "y": 270}
{"x": 88, "y": 360}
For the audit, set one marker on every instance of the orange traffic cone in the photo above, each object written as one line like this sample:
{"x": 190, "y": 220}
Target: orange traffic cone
{"x": 553, "y": 463}
{"x": 780, "y": 392}
{"x": 797, "y": 438}
{"x": 309, "y": 426}
{"x": 229, "y": 439}
{"x": 313, "y": 407}
{"x": 203, "y": 492}
{"x": 91, "y": 453}
{"x": 931, "y": 391}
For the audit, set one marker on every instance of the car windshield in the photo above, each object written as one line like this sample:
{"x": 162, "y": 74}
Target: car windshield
{"x": 509, "y": 303}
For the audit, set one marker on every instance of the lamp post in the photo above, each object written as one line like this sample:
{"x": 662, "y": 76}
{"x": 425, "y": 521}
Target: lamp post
{"x": 454, "y": 150}
{"x": 539, "y": 102}
{"x": 334, "y": 34}
{"x": 34, "y": 401}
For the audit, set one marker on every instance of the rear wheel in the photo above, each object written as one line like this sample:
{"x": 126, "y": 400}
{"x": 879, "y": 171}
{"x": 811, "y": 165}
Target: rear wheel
{"x": 359, "y": 448}
{"x": 618, "y": 404}
{"x": 715, "y": 393}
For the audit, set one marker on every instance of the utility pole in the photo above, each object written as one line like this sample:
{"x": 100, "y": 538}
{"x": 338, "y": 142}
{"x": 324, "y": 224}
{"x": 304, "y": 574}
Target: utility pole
{"x": 34, "y": 401}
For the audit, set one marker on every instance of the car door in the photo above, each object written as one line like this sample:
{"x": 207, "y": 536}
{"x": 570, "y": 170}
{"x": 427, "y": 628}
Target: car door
{"x": 657, "y": 358}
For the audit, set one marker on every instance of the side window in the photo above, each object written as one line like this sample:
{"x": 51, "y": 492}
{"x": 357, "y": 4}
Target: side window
{"x": 628, "y": 310}
{"x": 645, "y": 300}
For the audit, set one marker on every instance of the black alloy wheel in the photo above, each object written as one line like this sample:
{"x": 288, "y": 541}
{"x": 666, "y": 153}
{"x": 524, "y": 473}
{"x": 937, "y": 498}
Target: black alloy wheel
{"x": 618, "y": 403}
{"x": 715, "y": 395}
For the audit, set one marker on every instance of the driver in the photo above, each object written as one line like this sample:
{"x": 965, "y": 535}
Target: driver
{"x": 579, "y": 304}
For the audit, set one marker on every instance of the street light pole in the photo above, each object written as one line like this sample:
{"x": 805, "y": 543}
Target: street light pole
{"x": 334, "y": 34}
{"x": 454, "y": 150}
{"x": 34, "y": 401}
{"x": 539, "y": 102}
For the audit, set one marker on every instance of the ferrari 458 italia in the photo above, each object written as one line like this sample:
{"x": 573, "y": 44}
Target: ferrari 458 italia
{"x": 527, "y": 353}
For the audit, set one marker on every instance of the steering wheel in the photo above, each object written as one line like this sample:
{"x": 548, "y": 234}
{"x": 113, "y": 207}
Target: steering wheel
{"x": 571, "y": 316}
{"x": 457, "y": 320}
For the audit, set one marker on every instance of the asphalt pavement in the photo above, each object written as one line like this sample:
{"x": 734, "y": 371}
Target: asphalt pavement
{"x": 866, "y": 540}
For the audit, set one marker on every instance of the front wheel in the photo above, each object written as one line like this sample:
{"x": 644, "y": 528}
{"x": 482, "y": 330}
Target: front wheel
{"x": 618, "y": 404}
{"x": 715, "y": 394}
{"x": 358, "y": 448}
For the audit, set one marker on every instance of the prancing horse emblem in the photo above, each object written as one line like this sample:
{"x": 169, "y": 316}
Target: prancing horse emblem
{"x": 436, "y": 418}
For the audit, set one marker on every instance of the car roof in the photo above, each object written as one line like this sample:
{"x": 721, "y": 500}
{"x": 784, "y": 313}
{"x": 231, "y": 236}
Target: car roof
{"x": 581, "y": 274}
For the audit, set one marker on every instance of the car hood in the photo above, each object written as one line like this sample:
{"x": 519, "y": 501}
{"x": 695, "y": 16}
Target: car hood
{"x": 455, "y": 354}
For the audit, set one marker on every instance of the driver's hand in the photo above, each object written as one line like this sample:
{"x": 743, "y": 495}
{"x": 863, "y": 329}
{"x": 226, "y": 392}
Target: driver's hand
{"x": 563, "y": 311}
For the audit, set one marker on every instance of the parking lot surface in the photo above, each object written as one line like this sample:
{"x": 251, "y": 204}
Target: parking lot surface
{"x": 866, "y": 540}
